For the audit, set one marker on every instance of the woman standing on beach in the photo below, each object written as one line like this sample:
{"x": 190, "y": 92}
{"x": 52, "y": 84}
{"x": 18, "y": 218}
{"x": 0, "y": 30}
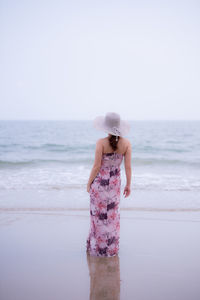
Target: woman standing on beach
{"x": 104, "y": 185}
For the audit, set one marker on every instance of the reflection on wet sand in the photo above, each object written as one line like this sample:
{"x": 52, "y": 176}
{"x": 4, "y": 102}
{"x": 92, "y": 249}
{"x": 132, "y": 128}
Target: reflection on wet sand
{"x": 104, "y": 277}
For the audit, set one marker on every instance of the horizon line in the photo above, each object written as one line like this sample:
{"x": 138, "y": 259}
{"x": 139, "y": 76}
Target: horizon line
{"x": 92, "y": 120}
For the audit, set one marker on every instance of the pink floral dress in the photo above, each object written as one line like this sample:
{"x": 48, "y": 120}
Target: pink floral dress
{"x": 104, "y": 234}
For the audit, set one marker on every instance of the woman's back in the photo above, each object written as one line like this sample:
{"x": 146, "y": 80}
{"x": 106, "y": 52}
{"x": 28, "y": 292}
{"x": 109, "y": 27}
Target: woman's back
{"x": 111, "y": 160}
{"x": 122, "y": 145}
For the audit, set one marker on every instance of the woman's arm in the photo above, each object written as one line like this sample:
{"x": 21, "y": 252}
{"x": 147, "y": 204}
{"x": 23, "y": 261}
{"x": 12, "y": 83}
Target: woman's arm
{"x": 97, "y": 163}
{"x": 127, "y": 163}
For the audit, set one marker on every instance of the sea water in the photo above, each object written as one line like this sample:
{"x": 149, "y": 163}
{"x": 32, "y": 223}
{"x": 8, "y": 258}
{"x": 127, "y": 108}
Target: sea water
{"x": 57, "y": 156}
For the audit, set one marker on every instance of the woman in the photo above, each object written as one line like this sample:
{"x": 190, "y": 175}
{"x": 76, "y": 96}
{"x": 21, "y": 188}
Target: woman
{"x": 104, "y": 185}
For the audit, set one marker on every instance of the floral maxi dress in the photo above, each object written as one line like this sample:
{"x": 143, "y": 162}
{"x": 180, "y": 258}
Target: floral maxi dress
{"x": 104, "y": 233}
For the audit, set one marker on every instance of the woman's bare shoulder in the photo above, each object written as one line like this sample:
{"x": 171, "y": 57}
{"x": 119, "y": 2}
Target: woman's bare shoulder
{"x": 125, "y": 141}
{"x": 101, "y": 140}
{"x": 125, "y": 144}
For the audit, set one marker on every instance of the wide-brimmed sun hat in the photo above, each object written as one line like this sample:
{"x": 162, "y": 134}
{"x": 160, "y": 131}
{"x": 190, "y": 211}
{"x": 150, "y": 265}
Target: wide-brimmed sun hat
{"x": 112, "y": 123}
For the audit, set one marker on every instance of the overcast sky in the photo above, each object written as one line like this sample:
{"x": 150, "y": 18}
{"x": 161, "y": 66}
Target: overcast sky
{"x": 78, "y": 59}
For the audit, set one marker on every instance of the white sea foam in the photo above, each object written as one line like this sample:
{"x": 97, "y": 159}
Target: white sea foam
{"x": 76, "y": 177}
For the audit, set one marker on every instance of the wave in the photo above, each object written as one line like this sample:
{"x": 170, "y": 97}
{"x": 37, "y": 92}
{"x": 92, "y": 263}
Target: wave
{"x": 83, "y": 147}
{"x": 50, "y": 147}
{"x": 33, "y": 162}
{"x": 164, "y": 161}
{"x": 88, "y": 160}
{"x": 59, "y": 148}
{"x": 156, "y": 149}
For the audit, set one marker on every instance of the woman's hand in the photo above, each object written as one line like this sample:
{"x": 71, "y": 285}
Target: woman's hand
{"x": 88, "y": 187}
{"x": 127, "y": 191}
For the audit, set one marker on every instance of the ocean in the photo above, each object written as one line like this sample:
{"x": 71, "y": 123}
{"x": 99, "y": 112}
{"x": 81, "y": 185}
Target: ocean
{"x": 57, "y": 156}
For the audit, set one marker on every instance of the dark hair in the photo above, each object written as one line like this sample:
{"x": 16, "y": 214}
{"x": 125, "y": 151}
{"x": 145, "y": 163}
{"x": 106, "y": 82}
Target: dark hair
{"x": 113, "y": 142}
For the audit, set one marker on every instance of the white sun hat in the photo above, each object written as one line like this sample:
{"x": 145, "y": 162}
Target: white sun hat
{"x": 112, "y": 124}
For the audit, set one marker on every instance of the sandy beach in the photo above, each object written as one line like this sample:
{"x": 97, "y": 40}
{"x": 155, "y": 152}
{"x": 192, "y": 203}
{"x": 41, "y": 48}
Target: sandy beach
{"x": 43, "y": 256}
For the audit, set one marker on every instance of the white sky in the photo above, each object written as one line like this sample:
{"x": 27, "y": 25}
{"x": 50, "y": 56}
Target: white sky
{"x": 78, "y": 59}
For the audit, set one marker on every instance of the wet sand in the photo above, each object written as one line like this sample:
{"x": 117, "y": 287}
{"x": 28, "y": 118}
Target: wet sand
{"x": 43, "y": 256}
